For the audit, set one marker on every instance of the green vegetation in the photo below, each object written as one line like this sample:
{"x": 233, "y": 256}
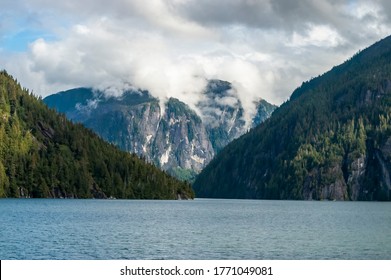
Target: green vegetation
{"x": 329, "y": 141}
{"x": 42, "y": 154}
{"x": 183, "y": 174}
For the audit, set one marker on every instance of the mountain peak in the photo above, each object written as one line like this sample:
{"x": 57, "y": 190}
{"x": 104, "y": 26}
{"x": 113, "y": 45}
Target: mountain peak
{"x": 175, "y": 138}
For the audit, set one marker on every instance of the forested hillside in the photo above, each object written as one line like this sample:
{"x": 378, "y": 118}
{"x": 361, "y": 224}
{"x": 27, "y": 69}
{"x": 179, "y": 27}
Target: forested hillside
{"x": 331, "y": 140}
{"x": 42, "y": 154}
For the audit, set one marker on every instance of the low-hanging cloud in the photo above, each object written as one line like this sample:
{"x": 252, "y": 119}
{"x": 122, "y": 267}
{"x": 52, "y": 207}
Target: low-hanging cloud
{"x": 104, "y": 57}
{"x": 172, "y": 48}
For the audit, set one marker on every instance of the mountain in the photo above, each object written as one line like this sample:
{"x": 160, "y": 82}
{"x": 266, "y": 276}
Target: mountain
{"x": 42, "y": 154}
{"x": 331, "y": 140}
{"x": 174, "y": 138}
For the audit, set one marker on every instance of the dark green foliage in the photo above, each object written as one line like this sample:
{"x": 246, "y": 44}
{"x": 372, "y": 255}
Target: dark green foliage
{"x": 42, "y": 154}
{"x": 329, "y": 141}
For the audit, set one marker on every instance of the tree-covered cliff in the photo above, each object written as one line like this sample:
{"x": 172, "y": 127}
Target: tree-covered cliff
{"x": 331, "y": 140}
{"x": 42, "y": 154}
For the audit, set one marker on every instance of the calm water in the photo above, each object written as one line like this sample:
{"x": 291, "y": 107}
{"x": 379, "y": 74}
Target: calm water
{"x": 199, "y": 229}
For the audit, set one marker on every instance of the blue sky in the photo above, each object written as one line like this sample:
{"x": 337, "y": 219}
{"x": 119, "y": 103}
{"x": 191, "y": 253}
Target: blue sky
{"x": 264, "y": 48}
{"x": 19, "y": 40}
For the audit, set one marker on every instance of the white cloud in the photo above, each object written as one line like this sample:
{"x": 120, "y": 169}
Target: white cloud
{"x": 317, "y": 35}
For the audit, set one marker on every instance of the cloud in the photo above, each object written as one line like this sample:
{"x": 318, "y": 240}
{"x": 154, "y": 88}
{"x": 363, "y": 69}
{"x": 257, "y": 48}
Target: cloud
{"x": 319, "y": 36}
{"x": 103, "y": 55}
{"x": 171, "y": 48}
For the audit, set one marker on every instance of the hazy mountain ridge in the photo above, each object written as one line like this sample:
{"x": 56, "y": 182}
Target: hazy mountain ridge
{"x": 175, "y": 138}
{"x": 331, "y": 140}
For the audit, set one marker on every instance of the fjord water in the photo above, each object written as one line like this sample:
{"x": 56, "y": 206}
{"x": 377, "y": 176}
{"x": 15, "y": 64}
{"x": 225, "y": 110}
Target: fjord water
{"x": 199, "y": 229}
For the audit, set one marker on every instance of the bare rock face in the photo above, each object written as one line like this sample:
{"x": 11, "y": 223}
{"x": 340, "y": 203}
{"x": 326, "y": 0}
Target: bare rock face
{"x": 169, "y": 137}
{"x": 333, "y": 188}
{"x": 355, "y": 179}
{"x": 384, "y": 159}
{"x": 175, "y": 137}
{"x": 335, "y": 191}
{"x": 181, "y": 139}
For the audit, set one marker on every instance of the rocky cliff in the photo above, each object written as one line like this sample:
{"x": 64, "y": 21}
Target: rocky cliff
{"x": 175, "y": 137}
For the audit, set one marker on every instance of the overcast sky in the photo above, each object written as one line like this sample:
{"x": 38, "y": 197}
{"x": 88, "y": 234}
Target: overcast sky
{"x": 266, "y": 48}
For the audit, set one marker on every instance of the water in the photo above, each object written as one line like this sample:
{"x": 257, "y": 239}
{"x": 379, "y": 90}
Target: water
{"x": 199, "y": 229}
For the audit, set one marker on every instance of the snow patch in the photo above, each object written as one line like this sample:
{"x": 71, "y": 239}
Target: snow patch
{"x": 233, "y": 120}
{"x": 173, "y": 121}
{"x": 147, "y": 142}
{"x": 164, "y": 158}
{"x": 197, "y": 159}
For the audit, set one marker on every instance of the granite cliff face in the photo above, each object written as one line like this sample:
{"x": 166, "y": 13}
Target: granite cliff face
{"x": 175, "y": 137}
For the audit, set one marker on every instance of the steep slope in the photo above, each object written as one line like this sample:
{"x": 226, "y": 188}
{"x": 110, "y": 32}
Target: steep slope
{"x": 331, "y": 140}
{"x": 175, "y": 138}
{"x": 42, "y": 154}
{"x": 222, "y": 113}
